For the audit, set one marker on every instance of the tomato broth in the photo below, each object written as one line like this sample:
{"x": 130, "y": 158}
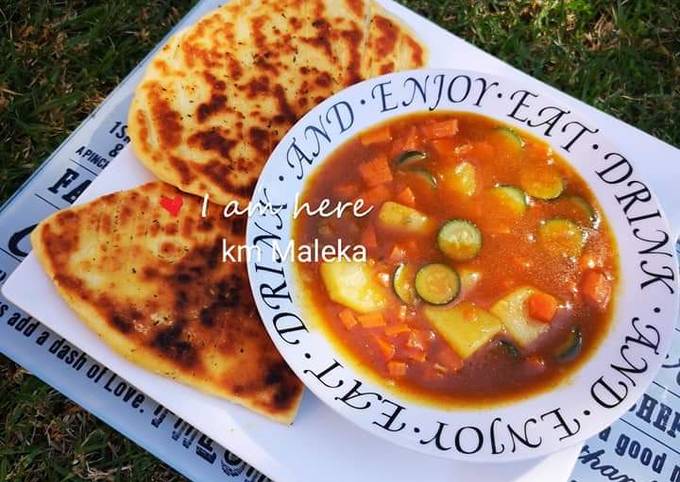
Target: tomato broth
{"x": 490, "y": 270}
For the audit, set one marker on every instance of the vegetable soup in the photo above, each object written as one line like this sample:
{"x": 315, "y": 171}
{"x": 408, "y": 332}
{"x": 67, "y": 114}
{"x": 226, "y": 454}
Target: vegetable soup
{"x": 490, "y": 267}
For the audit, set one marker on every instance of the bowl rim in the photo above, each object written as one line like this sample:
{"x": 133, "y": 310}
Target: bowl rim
{"x": 270, "y": 182}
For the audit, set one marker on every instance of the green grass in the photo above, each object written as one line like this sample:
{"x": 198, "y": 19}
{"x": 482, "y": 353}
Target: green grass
{"x": 60, "y": 59}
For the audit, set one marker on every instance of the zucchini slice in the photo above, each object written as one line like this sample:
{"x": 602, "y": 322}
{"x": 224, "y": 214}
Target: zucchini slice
{"x": 425, "y": 175}
{"x": 437, "y": 283}
{"x": 403, "y": 281}
{"x": 542, "y": 182}
{"x": 459, "y": 239}
{"x": 512, "y": 197}
{"x": 465, "y": 326}
{"x": 400, "y": 218}
{"x": 510, "y": 349}
{"x": 584, "y": 209}
{"x": 562, "y": 237}
{"x": 511, "y": 137}
{"x": 571, "y": 347}
{"x": 409, "y": 158}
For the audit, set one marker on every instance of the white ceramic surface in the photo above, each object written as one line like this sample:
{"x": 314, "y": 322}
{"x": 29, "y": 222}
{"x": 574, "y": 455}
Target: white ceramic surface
{"x": 320, "y": 445}
{"x": 599, "y": 392}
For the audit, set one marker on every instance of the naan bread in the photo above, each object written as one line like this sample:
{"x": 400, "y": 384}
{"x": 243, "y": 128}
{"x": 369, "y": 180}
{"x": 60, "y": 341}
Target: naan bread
{"x": 216, "y": 99}
{"x": 151, "y": 282}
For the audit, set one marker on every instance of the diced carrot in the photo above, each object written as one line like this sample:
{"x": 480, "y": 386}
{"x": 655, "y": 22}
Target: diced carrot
{"x": 589, "y": 260}
{"x": 449, "y": 359}
{"x": 537, "y": 150}
{"x": 418, "y": 339}
{"x": 523, "y": 262}
{"x": 398, "y": 329}
{"x": 596, "y": 287}
{"x": 439, "y": 130}
{"x": 375, "y": 195}
{"x": 409, "y": 248}
{"x": 376, "y": 171}
{"x": 371, "y": 320}
{"x": 536, "y": 363}
{"x": 376, "y": 136}
{"x": 396, "y": 368}
{"x": 507, "y": 283}
{"x": 386, "y": 348}
{"x": 542, "y": 307}
{"x": 469, "y": 312}
{"x": 411, "y": 141}
{"x": 368, "y": 238}
{"x": 408, "y": 142}
{"x": 384, "y": 279}
{"x": 415, "y": 355}
{"x": 406, "y": 197}
{"x": 463, "y": 149}
{"x": 412, "y": 246}
{"x": 397, "y": 253}
{"x": 325, "y": 228}
{"x": 483, "y": 151}
{"x": 380, "y": 265}
{"x": 433, "y": 374}
{"x": 444, "y": 147}
{"x": 348, "y": 319}
{"x": 347, "y": 190}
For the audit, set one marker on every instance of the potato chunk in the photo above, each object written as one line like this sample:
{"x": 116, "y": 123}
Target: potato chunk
{"x": 403, "y": 219}
{"x": 465, "y": 326}
{"x": 513, "y": 312}
{"x": 354, "y": 285}
{"x": 462, "y": 179}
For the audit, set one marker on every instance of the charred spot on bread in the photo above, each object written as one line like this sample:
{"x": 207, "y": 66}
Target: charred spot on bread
{"x": 171, "y": 342}
{"x": 290, "y": 55}
{"x": 158, "y": 287}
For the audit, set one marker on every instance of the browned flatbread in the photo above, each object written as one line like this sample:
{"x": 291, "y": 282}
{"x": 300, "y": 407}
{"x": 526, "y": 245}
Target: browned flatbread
{"x": 153, "y": 285}
{"x": 221, "y": 94}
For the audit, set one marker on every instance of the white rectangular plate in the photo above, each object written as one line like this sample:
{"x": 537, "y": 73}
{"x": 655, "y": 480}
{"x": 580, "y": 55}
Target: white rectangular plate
{"x": 320, "y": 445}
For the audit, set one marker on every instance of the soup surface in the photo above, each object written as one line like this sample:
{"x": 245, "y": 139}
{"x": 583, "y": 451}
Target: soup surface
{"x": 489, "y": 270}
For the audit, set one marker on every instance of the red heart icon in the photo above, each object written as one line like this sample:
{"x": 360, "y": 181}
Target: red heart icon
{"x": 172, "y": 205}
